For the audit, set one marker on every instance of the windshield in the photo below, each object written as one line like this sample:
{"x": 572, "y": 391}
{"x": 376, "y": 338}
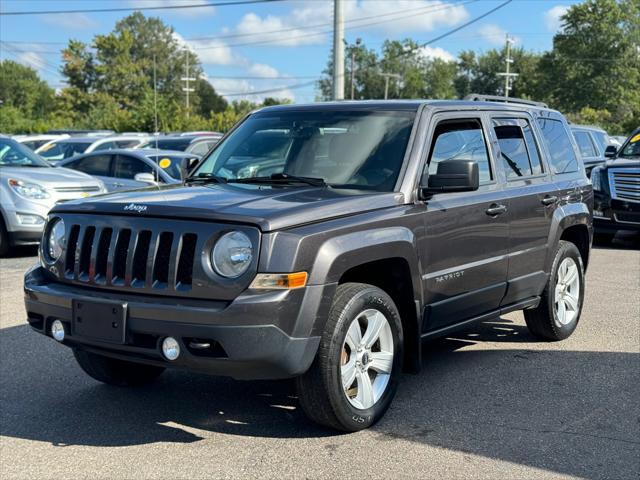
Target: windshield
{"x": 63, "y": 150}
{"x": 632, "y": 149}
{"x": 13, "y": 154}
{"x": 348, "y": 149}
{"x": 169, "y": 163}
{"x": 179, "y": 144}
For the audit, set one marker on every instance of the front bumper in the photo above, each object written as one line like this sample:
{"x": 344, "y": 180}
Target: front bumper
{"x": 611, "y": 215}
{"x": 265, "y": 335}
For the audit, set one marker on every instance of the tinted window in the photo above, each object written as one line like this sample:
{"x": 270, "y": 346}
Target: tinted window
{"x": 34, "y": 144}
{"x": 201, "y": 148}
{"x": 632, "y": 149}
{"x": 95, "y": 165}
{"x": 129, "y": 167}
{"x": 518, "y": 148}
{"x": 460, "y": 140}
{"x": 346, "y": 148}
{"x": 584, "y": 144}
{"x": 180, "y": 143}
{"x": 562, "y": 155}
{"x": 601, "y": 139}
{"x": 63, "y": 150}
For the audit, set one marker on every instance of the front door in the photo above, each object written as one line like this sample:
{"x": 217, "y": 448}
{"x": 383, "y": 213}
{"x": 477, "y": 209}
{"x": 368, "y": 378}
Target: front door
{"x": 466, "y": 233}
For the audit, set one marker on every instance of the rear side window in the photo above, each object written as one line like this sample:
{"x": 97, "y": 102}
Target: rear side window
{"x": 584, "y": 144}
{"x": 96, "y": 165}
{"x": 106, "y": 146}
{"x": 562, "y": 155}
{"x": 518, "y": 148}
{"x": 460, "y": 140}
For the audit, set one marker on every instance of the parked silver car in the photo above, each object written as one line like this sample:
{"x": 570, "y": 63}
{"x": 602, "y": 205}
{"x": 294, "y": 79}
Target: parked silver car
{"x": 29, "y": 188}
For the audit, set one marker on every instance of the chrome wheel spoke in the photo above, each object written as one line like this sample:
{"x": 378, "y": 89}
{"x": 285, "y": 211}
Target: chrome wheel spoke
{"x": 381, "y": 361}
{"x": 365, "y": 390}
{"x": 354, "y": 336}
{"x": 571, "y": 275}
{"x": 567, "y": 291}
{"x": 562, "y": 312}
{"x": 348, "y": 373}
{"x": 558, "y": 293}
{"x": 375, "y": 323}
{"x": 571, "y": 301}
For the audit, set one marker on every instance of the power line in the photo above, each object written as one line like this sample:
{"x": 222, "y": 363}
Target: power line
{"x": 129, "y": 9}
{"x": 270, "y": 90}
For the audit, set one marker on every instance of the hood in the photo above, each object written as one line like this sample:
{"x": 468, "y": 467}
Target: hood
{"x": 269, "y": 207}
{"x": 626, "y": 162}
{"x": 49, "y": 177}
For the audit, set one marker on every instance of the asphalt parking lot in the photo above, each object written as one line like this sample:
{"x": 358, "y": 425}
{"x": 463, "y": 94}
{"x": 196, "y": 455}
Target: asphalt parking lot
{"x": 491, "y": 402}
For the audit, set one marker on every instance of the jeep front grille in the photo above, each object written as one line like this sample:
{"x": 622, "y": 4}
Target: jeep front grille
{"x": 625, "y": 184}
{"x": 126, "y": 257}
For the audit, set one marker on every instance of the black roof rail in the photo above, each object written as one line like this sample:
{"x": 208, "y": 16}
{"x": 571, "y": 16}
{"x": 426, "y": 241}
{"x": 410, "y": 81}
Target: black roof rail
{"x": 475, "y": 97}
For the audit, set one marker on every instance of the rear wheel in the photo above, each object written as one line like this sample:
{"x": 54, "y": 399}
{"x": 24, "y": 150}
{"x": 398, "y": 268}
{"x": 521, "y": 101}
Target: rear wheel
{"x": 354, "y": 375}
{"x": 4, "y": 238}
{"x": 116, "y": 372}
{"x": 561, "y": 302}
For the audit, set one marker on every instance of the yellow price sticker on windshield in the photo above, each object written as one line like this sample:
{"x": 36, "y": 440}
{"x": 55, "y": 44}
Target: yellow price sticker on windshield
{"x": 635, "y": 139}
{"x": 165, "y": 163}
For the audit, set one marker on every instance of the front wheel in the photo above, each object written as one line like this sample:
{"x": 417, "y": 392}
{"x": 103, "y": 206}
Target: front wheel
{"x": 355, "y": 373}
{"x": 557, "y": 315}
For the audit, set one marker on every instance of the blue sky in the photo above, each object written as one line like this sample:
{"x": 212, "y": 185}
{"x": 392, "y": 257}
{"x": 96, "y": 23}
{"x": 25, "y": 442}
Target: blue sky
{"x": 240, "y": 56}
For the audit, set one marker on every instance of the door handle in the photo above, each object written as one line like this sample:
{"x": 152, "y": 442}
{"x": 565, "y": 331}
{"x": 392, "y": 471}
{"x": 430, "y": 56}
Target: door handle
{"x": 116, "y": 184}
{"x": 549, "y": 200}
{"x": 496, "y": 209}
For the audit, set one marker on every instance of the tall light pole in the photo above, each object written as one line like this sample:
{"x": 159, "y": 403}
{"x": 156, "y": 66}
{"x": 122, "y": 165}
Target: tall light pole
{"x": 387, "y": 76}
{"x": 338, "y": 50}
{"x": 187, "y": 79}
{"x": 507, "y": 74}
{"x": 353, "y": 54}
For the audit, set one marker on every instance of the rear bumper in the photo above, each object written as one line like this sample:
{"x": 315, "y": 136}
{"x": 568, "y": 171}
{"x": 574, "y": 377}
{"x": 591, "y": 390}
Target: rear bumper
{"x": 254, "y": 337}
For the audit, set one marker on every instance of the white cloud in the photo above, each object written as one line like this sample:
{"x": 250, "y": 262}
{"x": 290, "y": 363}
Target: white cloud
{"x": 183, "y": 12}
{"x": 263, "y": 70}
{"x": 437, "y": 52}
{"x": 210, "y": 52}
{"x": 552, "y": 17}
{"x": 225, "y": 86}
{"x": 495, "y": 34}
{"x": 310, "y": 24}
{"x": 72, "y": 21}
{"x": 32, "y": 59}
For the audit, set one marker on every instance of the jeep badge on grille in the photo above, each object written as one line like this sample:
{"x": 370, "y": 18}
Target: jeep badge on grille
{"x": 136, "y": 208}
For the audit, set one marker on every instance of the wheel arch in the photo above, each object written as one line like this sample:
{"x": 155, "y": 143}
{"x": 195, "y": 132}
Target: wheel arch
{"x": 571, "y": 223}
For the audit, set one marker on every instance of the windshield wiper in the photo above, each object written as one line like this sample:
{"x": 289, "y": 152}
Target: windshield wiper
{"x": 282, "y": 178}
{"x": 205, "y": 178}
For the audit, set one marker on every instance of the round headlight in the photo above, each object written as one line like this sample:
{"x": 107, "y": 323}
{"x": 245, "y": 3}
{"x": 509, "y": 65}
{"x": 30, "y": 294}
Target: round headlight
{"x": 55, "y": 240}
{"x": 232, "y": 254}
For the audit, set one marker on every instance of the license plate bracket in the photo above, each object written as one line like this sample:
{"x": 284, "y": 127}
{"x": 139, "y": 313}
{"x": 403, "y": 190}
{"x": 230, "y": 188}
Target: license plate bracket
{"x": 103, "y": 320}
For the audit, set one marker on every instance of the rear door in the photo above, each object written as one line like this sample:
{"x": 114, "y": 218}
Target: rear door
{"x": 465, "y": 253}
{"x": 532, "y": 201}
{"x": 126, "y": 167}
{"x": 98, "y": 165}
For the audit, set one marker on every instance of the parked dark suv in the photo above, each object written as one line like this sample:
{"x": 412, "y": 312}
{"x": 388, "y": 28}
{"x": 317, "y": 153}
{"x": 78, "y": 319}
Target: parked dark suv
{"x": 616, "y": 186}
{"x": 325, "y": 242}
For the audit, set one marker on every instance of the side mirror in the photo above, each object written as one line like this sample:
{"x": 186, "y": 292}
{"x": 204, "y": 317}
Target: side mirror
{"x": 145, "y": 177}
{"x": 186, "y": 165}
{"x": 453, "y": 176}
{"x": 610, "y": 151}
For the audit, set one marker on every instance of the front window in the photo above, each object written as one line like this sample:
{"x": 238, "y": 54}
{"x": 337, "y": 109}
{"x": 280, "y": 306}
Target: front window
{"x": 14, "y": 154}
{"x": 169, "y": 163}
{"x": 632, "y": 149}
{"x": 347, "y": 149}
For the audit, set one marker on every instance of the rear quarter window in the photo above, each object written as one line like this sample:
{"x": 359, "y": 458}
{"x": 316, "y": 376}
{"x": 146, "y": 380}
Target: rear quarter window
{"x": 562, "y": 156}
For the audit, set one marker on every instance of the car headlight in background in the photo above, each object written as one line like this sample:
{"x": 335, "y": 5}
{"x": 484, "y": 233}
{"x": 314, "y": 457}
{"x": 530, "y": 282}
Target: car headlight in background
{"x": 232, "y": 254}
{"x": 28, "y": 190}
{"x": 55, "y": 240}
{"x": 596, "y": 179}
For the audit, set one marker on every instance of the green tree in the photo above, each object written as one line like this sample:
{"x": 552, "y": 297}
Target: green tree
{"x": 22, "y": 88}
{"x": 78, "y": 66}
{"x": 209, "y": 100}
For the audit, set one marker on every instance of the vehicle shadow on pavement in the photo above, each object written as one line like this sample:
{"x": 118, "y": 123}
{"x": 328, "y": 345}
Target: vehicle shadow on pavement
{"x": 565, "y": 411}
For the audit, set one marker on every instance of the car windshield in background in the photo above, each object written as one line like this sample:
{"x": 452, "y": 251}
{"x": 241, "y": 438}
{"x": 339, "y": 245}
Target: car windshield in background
{"x": 63, "y": 150}
{"x": 179, "y": 144}
{"x": 13, "y": 154}
{"x": 633, "y": 147}
{"x": 169, "y": 163}
{"x": 363, "y": 150}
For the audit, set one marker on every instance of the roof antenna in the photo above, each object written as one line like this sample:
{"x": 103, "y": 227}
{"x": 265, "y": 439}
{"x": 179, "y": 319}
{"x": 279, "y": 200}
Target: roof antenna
{"x": 155, "y": 115}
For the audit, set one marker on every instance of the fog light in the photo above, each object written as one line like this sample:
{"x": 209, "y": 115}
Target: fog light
{"x": 26, "y": 219}
{"x": 57, "y": 330}
{"x": 170, "y": 348}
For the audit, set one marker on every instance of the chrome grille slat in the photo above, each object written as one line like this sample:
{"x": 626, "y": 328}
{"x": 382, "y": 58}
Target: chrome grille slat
{"x": 625, "y": 184}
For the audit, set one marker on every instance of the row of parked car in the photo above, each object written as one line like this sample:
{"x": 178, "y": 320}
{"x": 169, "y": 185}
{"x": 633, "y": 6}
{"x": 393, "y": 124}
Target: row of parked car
{"x": 86, "y": 163}
{"x": 92, "y": 162}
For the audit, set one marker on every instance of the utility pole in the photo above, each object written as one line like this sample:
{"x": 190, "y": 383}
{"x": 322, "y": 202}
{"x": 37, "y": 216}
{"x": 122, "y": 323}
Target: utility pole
{"x": 338, "y": 50}
{"x": 387, "y": 76}
{"x": 155, "y": 97}
{"x": 353, "y": 55}
{"x": 507, "y": 74}
{"x": 187, "y": 79}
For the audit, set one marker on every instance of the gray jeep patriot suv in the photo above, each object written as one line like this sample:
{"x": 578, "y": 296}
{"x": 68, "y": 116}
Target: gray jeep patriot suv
{"x": 325, "y": 242}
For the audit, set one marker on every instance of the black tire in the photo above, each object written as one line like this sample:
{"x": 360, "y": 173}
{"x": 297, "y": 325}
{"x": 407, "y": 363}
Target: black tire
{"x": 4, "y": 239}
{"x": 320, "y": 390}
{"x": 116, "y": 372}
{"x": 543, "y": 321}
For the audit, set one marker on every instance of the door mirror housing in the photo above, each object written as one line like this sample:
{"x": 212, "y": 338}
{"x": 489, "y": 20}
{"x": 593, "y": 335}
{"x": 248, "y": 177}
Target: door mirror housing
{"x": 453, "y": 176}
{"x": 610, "y": 151}
{"x": 145, "y": 177}
{"x": 187, "y": 164}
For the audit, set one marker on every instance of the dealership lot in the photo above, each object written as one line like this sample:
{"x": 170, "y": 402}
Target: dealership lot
{"x": 491, "y": 402}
